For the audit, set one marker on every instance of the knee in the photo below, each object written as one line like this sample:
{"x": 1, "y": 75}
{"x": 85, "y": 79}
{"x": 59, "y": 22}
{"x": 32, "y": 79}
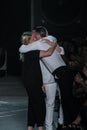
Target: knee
{"x": 50, "y": 103}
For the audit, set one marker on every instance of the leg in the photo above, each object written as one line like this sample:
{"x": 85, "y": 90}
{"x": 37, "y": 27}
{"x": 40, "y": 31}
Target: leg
{"x": 65, "y": 82}
{"x": 36, "y": 108}
{"x": 31, "y": 116}
{"x": 60, "y": 119}
{"x": 50, "y": 102}
{"x": 40, "y": 128}
{"x": 30, "y": 128}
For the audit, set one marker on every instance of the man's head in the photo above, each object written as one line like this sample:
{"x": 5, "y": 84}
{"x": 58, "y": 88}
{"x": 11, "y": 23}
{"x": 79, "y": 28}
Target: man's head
{"x": 39, "y": 32}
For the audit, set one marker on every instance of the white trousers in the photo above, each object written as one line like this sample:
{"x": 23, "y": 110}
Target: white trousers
{"x": 60, "y": 118}
{"x": 50, "y": 103}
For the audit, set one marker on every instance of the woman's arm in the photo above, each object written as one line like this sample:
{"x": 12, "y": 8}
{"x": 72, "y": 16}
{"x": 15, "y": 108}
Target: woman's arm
{"x": 48, "y": 52}
{"x": 35, "y": 46}
{"x": 59, "y": 49}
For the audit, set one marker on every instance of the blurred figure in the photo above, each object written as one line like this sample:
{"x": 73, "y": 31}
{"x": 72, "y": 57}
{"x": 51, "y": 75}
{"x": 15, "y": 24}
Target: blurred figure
{"x": 63, "y": 75}
{"x": 50, "y": 90}
{"x": 32, "y": 78}
{"x": 81, "y": 95}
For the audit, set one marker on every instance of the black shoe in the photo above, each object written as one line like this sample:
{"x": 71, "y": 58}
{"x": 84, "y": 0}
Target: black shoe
{"x": 59, "y": 127}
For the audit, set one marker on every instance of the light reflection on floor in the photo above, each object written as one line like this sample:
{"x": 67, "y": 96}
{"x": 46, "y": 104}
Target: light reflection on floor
{"x": 13, "y": 104}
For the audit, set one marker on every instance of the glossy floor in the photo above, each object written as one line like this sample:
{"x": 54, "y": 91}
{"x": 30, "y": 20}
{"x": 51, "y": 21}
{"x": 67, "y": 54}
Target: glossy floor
{"x": 13, "y": 104}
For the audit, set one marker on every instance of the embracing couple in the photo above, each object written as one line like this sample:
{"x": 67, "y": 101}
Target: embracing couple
{"x": 44, "y": 69}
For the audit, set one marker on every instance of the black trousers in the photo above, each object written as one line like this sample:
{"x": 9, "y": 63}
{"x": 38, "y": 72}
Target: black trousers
{"x": 32, "y": 78}
{"x": 36, "y": 106}
{"x": 65, "y": 80}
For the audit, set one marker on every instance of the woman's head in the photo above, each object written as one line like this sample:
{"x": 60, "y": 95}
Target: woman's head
{"x": 25, "y": 38}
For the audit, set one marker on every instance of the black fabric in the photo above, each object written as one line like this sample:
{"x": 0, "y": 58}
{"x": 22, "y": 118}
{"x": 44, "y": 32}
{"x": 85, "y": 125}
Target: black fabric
{"x": 31, "y": 69}
{"x": 33, "y": 82}
{"x": 2, "y": 57}
{"x": 70, "y": 105}
{"x": 70, "y": 128}
{"x": 84, "y": 115}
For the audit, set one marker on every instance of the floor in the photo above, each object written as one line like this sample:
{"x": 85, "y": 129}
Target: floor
{"x": 13, "y": 104}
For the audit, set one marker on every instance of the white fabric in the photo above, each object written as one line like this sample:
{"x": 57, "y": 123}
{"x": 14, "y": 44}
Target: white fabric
{"x": 50, "y": 102}
{"x": 50, "y": 85}
{"x": 61, "y": 118}
{"x": 52, "y": 62}
{"x": 62, "y": 51}
{"x": 46, "y": 75}
{"x": 51, "y": 38}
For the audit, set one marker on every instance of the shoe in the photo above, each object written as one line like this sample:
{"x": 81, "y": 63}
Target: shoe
{"x": 59, "y": 127}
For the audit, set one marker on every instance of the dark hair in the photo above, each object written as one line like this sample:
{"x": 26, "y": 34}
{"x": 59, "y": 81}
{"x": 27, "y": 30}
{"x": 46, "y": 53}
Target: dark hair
{"x": 41, "y": 30}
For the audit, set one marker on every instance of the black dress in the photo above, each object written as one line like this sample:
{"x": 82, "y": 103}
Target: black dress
{"x": 33, "y": 82}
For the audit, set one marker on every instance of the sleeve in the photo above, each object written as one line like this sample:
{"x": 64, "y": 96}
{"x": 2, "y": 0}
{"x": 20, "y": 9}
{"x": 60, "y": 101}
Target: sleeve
{"x": 51, "y": 38}
{"x": 62, "y": 51}
{"x": 29, "y": 47}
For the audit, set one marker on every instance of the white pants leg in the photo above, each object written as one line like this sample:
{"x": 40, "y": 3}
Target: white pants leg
{"x": 60, "y": 119}
{"x": 50, "y": 102}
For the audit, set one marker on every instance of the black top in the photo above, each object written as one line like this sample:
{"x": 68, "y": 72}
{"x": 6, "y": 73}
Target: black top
{"x": 31, "y": 69}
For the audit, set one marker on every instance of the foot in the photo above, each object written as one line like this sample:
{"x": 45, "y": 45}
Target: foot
{"x": 59, "y": 126}
{"x": 77, "y": 120}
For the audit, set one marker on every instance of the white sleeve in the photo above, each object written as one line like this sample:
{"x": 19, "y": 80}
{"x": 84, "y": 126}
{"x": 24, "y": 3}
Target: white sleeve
{"x": 62, "y": 51}
{"x": 51, "y": 38}
{"x": 29, "y": 47}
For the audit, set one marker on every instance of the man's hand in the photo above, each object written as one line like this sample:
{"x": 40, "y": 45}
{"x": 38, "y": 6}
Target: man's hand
{"x": 43, "y": 88}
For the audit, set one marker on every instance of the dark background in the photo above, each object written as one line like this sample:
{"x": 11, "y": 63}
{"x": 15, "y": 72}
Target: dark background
{"x": 15, "y": 19}
{"x": 66, "y": 19}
